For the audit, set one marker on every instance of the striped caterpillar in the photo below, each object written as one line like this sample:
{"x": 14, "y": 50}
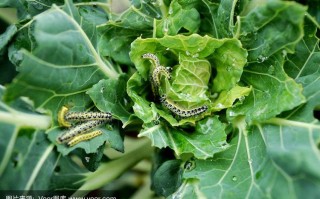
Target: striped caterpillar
{"x": 181, "y": 112}
{"x": 64, "y": 116}
{"x": 153, "y": 58}
{"x": 85, "y": 116}
{"x": 157, "y": 72}
{"x": 84, "y": 137}
{"x": 79, "y": 129}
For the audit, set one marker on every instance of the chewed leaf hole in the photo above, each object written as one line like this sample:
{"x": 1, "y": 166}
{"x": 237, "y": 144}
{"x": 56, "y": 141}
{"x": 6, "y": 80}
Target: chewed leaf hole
{"x": 234, "y": 178}
{"x": 57, "y": 169}
{"x": 316, "y": 114}
{"x": 258, "y": 175}
{"x": 15, "y": 159}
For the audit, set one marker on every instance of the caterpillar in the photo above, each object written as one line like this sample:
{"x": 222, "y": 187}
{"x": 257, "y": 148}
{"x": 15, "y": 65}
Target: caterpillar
{"x": 84, "y": 137}
{"x": 80, "y": 129}
{"x": 181, "y": 112}
{"x": 157, "y": 72}
{"x": 152, "y": 57}
{"x": 85, "y": 116}
{"x": 61, "y": 117}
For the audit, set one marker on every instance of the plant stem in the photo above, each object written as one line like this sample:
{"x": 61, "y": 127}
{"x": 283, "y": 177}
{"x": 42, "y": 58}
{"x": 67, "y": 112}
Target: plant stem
{"x": 111, "y": 170}
{"x": 26, "y": 120}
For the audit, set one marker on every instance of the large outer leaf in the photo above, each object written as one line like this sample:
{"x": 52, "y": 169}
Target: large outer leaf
{"x": 269, "y": 161}
{"x": 273, "y": 91}
{"x": 32, "y": 162}
{"x": 25, "y": 153}
{"x": 278, "y": 158}
{"x": 62, "y": 61}
{"x": 270, "y": 27}
{"x": 58, "y": 63}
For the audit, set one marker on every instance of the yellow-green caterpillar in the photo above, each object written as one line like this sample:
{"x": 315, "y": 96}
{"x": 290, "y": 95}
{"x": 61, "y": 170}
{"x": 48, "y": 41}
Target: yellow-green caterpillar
{"x": 61, "y": 117}
{"x": 84, "y": 137}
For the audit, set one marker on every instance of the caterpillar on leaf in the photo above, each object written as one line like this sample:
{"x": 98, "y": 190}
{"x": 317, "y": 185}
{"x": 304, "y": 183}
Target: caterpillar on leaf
{"x": 84, "y": 137}
{"x": 182, "y": 112}
{"x": 79, "y": 129}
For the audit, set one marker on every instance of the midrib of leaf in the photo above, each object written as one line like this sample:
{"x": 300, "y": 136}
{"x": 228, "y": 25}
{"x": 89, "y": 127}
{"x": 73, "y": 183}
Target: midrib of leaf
{"x": 285, "y": 122}
{"x": 243, "y": 131}
{"x": 25, "y": 119}
{"x": 38, "y": 167}
{"x": 8, "y": 151}
{"x": 43, "y": 62}
{"x": 232, "y": 163}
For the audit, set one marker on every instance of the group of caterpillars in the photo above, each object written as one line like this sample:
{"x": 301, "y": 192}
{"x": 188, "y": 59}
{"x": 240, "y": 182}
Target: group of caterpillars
{"x": 83, "y": 131}
{"x": 156, "y": 73}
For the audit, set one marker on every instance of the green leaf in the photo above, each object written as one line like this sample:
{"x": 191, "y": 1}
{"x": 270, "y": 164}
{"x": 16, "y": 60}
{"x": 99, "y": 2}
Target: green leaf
{"x": 271, "y": 27}
{"x": 7, "y": 36}
{"x": 263, "y": 162}
{"x": 226, "y": 99}
{"x": 26, "y": 9}
{"x": 67, "y": 175}
{"x": 192, "y": 76}
{"x": 171, "y": 24}
{"x": 273, "y": 91}
{"x": 217, "y": 19}
{"x": 168, "y": 170}
{"x": 303, "y": 67}
{"x": 110, "y": 96}
{"x": 92, "y": 160}
{"x": 116, "y": 36}
{"x": 62, "y": 63}
{"x": 93, "y": 15}
{"x": 207, "y": 139}
{"x": 28, "y": 157}
{"x": 265, "y": 159}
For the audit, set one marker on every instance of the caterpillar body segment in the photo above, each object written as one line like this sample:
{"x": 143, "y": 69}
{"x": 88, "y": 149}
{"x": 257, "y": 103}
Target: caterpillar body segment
{"x": 182, "y": 112}
{"x": 84, "y": 137}
{"x": 61, "y": 117}
{"x": 86, "y": 116}
{"x": 157, "y": 72}
{"x": 79, "y": 129}
{"x": 153, "y": 58}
